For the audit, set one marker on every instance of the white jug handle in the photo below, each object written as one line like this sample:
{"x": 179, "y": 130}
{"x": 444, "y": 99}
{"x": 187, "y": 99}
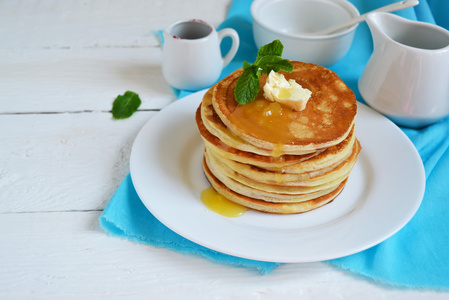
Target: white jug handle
{"x": 229, "y": 32}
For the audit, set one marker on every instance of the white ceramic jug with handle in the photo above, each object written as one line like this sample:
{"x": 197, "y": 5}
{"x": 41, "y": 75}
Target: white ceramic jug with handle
{"x": 407, "y": 76}
{"x": 191, "y": 55}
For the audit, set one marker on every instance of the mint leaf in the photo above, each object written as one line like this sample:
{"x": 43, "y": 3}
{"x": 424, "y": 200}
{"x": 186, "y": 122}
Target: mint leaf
{"x": 247, "y": 87}
{"x": 269, "y": 58}
{"x": 275, "y": 63}
{"x": 125, "y": 105}
{"x": 246, "y": 65}
{"x": 284, "y": 65}
{"x": 273, "y": 48}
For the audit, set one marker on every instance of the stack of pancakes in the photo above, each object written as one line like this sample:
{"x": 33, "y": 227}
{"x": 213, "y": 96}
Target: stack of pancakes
{"x": 268, "y": 157}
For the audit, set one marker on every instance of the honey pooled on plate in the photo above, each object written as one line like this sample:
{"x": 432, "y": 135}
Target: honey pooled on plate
{"x": 220, "y": 205}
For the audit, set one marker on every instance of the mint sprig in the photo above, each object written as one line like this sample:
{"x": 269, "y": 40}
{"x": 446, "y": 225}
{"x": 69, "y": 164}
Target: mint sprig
{"x": 269, "y": 58}
{"x": 125, "y": 105}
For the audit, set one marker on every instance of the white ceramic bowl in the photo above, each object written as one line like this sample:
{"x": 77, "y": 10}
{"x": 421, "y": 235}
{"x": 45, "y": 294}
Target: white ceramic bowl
{"x": 293, "y": 23}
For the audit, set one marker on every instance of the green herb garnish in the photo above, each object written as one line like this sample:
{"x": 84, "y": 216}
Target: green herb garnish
{"x": 125, "y": 105}
{"x": 268, "y": 59}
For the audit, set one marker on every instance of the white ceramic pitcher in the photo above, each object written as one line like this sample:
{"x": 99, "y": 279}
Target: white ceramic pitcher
{"x": 191, "y": 56}
{"x": 407, "y": 76}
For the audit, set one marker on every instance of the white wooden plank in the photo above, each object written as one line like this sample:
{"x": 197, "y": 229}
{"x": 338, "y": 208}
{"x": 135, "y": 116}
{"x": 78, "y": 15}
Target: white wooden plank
{"x": 67, "y": 256}
{"x": 100, "y": 23}
{"x": 79, "y": 55}
{"x": 53, "y": 162}
{"x": 80, "y": 79}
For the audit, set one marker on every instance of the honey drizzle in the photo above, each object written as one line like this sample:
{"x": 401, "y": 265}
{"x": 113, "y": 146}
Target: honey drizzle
{"x": 220, "y": 205}
{"x": 277, "y": 151}
{"x": 265, "y": 120}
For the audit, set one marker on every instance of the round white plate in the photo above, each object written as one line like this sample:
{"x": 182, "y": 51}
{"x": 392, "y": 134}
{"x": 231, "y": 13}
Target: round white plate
{"x": 383, "y": 192}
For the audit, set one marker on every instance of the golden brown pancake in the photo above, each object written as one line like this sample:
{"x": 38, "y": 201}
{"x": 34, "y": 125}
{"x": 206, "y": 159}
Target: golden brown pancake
{"x": 265, "y": 194}
{"x": 216, "y": 127}
{"x": 270, "y": 207}
{"x": 221, "y": 171}
{"x": 326, "y": 120}
{"x": 245, "y": 156}
{"x": 288, "y": 179}
{"x": 286, "y": 163}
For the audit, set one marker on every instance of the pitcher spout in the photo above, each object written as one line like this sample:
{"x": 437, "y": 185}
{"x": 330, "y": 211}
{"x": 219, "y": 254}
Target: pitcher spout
{"x": 404, "y": 32}
{"x": 386, "y": 27}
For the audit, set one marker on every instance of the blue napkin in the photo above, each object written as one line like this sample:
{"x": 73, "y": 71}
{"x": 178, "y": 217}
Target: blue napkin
{"x": 126, "y": 216}
{"x": 416, "y": 256}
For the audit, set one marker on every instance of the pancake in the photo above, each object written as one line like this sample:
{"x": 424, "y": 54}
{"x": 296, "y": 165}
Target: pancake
{"x": 317, "y": 160}
{"x": 326, "y": 120}
{"x": 216, "y": 127}
{"x": 298, "y": 195}
{"x": 290, "y": 163}
{"x": 221, "y": 170}
{"x": 263, "y": 161}
{"x": 237, "y": 171}
{"x": 270, "y": 207}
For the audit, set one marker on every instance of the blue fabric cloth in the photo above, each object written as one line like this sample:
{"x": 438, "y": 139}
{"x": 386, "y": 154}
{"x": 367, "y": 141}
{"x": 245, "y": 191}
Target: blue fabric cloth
{"x": 126, "y": 216}
{"x": 416, "y": 256}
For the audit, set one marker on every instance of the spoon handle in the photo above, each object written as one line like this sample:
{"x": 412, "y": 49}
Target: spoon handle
{"x": 388, "y": 8}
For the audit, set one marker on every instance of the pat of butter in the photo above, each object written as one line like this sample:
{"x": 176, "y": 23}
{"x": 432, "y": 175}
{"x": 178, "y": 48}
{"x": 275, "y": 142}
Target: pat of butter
{"x": 289, "y": 93}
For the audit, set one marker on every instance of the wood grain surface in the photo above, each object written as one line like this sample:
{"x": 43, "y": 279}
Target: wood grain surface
{"x": 62, "y": 156}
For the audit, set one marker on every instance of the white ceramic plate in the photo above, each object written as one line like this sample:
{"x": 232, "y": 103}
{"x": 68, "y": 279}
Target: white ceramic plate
{"x": 383, "y": 192}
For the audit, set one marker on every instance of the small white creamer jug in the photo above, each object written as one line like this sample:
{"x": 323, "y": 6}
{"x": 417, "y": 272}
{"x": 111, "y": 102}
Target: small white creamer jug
{"x": 407, "y": 76}
{"x": 191, "y": 55}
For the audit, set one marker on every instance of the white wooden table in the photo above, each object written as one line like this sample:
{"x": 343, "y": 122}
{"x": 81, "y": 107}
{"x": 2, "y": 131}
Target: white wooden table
{"x": 62, "y": 156}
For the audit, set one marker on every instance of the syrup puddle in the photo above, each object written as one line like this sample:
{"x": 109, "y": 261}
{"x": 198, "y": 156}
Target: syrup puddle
{"x": 220, "y": 205}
